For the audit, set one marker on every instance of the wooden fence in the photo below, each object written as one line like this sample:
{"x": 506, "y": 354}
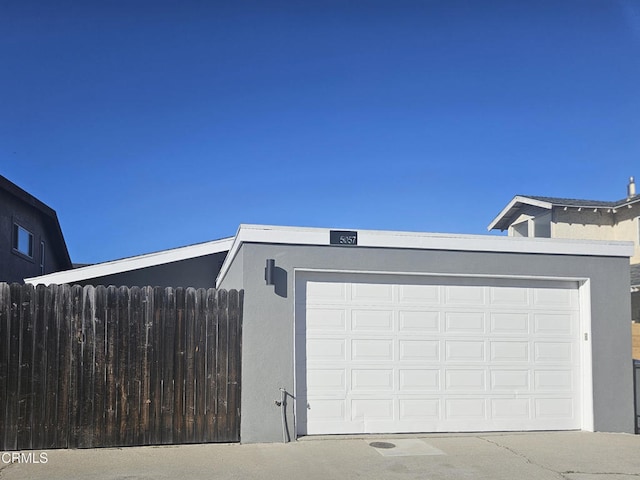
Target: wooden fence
{"x": 84, "y": 367}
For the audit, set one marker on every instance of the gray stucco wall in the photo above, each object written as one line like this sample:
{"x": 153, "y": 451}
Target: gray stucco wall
{"x": 268, "y": 324}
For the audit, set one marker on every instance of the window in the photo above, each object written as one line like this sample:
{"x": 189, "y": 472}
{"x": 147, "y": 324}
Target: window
{"x": 22, "y": 240}
{"x": 42, "y": 258}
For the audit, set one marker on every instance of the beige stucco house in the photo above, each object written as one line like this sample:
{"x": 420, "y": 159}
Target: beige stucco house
{"x": 551, "y": 217}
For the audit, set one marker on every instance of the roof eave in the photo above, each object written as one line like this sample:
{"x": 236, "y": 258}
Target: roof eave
{"x": 133, "y": 263}
{"x": 503, "y": 217}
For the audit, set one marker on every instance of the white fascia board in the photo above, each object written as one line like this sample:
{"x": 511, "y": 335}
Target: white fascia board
{"x": 425, "y": 241}
{"x": 133, "y": 263}
{"x": 516, "y": 200}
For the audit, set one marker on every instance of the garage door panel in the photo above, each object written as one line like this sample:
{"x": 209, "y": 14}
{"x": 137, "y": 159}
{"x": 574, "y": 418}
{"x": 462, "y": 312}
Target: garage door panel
{"x": 509, "y": 351}
{"x": 326, "y": 320}
{"x": 509, "y": 296}
{"x": 465, "y": 351}
{"x": 509, "y": 323}
{"x": 419, "y": 350}
{"x": 368, "y": 349}
{"x": 419, "y": 294}
{"x": 419, "y": 380}
{"x": 511, "y": 408}
{"x": 562, "y": 352}
{"x": 418, "y": 321}
{"x": 371, "y": 293}
{"x": 465, "y": 380}
{"x": 372, "y": 320}
{"x": 369, "y": 409}
{"x": 465, "y": 295}
{"x": 464, "y": 322}
{"x": 554, "y": 297}
{"x": 467, "y": 408}
{"x": 326, "y": 349}
{"x": 366, "y": 380}
{"x": 326, "y": 292}
{"x": 553, "y": 380}
{"x": 382, "y": 357}
{"x": 554, "y": 323}
{"x": 419, "y": 409}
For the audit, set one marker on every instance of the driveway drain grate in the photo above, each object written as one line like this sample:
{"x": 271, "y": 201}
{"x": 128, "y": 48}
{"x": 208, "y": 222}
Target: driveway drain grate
{"x": 382, "y": 445}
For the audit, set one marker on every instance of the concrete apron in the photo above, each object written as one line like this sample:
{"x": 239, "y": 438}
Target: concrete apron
{"x": 539, "y": 456}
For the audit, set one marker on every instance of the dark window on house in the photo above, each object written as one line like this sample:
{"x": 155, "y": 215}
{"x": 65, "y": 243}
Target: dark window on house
{"x": 41, "y": 258}
{"x": 22, "y": 240}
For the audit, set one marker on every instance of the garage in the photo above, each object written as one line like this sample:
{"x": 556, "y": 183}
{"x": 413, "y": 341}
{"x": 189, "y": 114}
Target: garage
{"x": 368, "y": 332}
{"x": 392, "y": 354}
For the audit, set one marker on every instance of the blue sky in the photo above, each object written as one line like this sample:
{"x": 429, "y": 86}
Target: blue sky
{"x": 152, "y": 124}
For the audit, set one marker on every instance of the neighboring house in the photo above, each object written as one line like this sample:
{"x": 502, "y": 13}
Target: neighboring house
{"x": 400, "y": 332}
{"x": 31, "y": 241}
{"x": 551, "y": 217}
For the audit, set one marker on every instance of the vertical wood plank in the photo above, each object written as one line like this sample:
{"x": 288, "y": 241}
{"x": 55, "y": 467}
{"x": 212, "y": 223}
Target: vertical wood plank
{"x": 66, "y": 338}
{"x": 51, "y": 342}
{"x": 178, "y": 412}
{"x": 234, "y": 380}
{"x": 25, "y": 398}
{"x": 145, "y": 340}
{"x": 13, "y": 383}
{"x": 5, "y": 343}
{"x": 39, "y": 368}
{"x": 86, "y": 372}
{"x": 211, "y": 366}
{"x": 99, "y": 365}
{"x": 222, "y": 368}
{"x": 200, "y": 376}
{"x": 156, "y": 377}
{"x": 111, "y": 374}
{"x": 168, "y": 375}
{"x": 75, "y": 383}
{"x": 133, "y": 426}
{"x": 124, "y": 371}
{"x": 189, "y": 381}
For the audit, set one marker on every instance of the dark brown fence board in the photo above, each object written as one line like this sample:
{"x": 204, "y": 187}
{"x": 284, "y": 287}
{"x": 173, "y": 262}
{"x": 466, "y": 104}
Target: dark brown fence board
{"x": 5, "y": 324}
{"x": 145, "y": 350}
{"x": 168, "y": 361}
{"x": 155, "y": 387}
{"x": 123, "y": 365}
{"x": 111, "y": 374}
{"x": 189, "y": 368}
{"x": 211, "y": 366}
{"x": 25, "y": 399}
{"x": 200, "y": 374}
{"x": 84, "y": 367}
{"x": 13, "y": 381}
{"x": 178, "y": 384}
{"x": 51, "y": 373}
{"x": 222, "y": 366}
{"x": 99, "y": 365}
{"x": 63, "y": 312}
{"x": 39, "y": 366}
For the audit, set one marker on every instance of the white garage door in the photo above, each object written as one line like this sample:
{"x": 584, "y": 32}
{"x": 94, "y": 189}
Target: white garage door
{"x": 436, "y": 355}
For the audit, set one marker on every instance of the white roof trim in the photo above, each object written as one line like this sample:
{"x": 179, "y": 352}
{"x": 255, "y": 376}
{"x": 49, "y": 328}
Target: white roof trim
{"x": 133, "y": 263}
{"x": 519, "y": 199}
{"x": 424, "y": 241}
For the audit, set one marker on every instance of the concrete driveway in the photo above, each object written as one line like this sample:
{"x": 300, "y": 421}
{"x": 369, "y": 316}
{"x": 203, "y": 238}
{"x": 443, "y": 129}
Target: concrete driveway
{"x": 539, "y": 456}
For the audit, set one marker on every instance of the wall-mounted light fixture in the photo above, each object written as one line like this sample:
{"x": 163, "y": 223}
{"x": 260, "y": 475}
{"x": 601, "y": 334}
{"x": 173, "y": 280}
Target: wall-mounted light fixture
{"x": 269, "y": 271}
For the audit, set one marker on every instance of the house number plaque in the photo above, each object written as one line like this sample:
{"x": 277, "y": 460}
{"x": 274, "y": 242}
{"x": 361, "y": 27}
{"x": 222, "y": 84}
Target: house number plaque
{"x": 340, "y": 237}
